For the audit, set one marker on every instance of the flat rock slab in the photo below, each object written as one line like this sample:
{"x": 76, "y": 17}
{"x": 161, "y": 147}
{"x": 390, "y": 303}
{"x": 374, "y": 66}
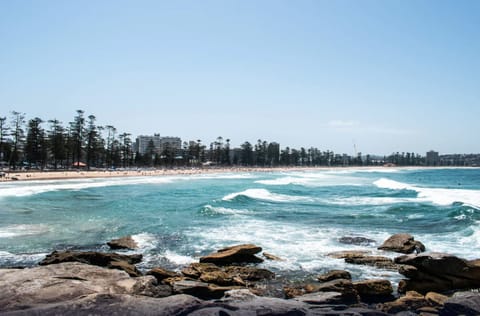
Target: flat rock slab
{"x": 117, "y": 304}
{"x": 103, "y": 259}
{"x": 67, "y": 281}
{"x": 126, "y": 242}
{"x": 235, "y": 254}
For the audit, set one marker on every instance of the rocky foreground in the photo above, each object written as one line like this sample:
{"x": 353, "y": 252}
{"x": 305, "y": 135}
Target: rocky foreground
{"x": 227, "y": 282}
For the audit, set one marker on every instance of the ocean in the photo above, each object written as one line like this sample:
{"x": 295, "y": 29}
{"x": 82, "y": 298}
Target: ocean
{"x": 299, "y": 216}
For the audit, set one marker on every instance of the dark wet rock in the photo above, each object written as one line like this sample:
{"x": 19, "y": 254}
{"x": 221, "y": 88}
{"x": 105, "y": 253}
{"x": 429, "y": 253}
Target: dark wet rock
{"x": 126, "y": 242}
{"x": 410, "y": 302}
{"x": 359, "y": 241}
{"x": 269, "y": 256}
{"x": 333, "y": 275}
{"x": 374, "y": 261}
{"x": 235, "y": 254}
{"x": 201, "y": 289}
{"x": 342, "y": 286}
{"x": 67, "y": 281}
{"x": 374, "y": 290}
{"x": 348, "y": 254}
{"x": 438, "y": 272}
{"x": 213, "y": 311}
{"x": 125, "y": 266}
{"x": 462, "y": 303}
{"x": 403, "y": 243}
{"x": 161, "y": 274}
{"x": 108, "y": 260}
{"x": 101, "y": 259}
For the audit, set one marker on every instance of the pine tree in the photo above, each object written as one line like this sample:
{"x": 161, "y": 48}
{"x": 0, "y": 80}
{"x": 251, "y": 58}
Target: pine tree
{"x": 56, "y": 142}
{"x": 18, "y": 134}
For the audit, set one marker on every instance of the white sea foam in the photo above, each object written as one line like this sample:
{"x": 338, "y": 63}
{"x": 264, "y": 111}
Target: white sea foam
{"x": 315, "y": 179}
{"x": 360, "y": 200}
{"x": 226, "y": 176}
{"x": 20, "y": 259}
{"x": 300, "y": 248}
{"x": 226, "y": 211}
{"x": 392, "y": 184}
{"x": 177, "y": 258}
{"x": 439, "y": 196}
{"x": 284, "y": 181}
{"x": 145, "y": 240}
{"x": 265, "y": 195}
{"x": 37, "y": 187}
{"x": 23, "y": 230}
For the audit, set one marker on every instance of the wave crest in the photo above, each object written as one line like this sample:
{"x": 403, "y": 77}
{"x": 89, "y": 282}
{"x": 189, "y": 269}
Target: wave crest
{"x": 265, "y": 195}
{"x": 437, "y": 196}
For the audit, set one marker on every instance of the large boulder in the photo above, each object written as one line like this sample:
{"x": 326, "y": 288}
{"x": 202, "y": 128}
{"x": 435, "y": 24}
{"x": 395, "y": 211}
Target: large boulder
{"x": 403, "y": 243}
{"x": 412, "y": 301}
{"x": 438, "y": 272}
{"x": 462, "y": 303}
{"x": 236, "y": 254}
{"x": 109, "y": 260}
{"x": 226, "y": 276}
{"x": 25, "y": 288}
{"x": 333, "y": 275}
{"x": 374, "y": 261}
{"x": 161, "y": 274}
{"x": 342, "y": 286}
{"x": 374, "y": 290}
{"x": 126, "y": 242}
{"x": 356, "y": 240}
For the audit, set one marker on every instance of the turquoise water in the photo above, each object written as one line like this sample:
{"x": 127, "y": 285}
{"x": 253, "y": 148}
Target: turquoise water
{"x": 298, "y": 215}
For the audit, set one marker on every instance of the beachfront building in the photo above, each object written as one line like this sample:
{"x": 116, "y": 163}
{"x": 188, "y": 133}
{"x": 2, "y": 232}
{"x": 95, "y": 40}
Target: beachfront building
{"x": 170, "y": 142}
{"x": 432, "y": 158}
{"x": 160, "y": 144}
{"x": 143, "y": 141}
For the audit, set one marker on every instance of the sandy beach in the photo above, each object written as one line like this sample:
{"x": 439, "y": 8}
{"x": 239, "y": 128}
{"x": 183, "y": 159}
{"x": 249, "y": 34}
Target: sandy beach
{"x": 13, "y": 175}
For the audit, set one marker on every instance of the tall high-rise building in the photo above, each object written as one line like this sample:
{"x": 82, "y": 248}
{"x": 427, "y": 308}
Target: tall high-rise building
{"x": 432, "y": 158}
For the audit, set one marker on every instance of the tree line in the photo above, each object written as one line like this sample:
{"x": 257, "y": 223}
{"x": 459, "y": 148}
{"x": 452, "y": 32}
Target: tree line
{"x": 82, "y": 143}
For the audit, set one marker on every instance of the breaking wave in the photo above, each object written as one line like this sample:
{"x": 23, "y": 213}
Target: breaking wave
{"x": 439, "y": 196}
{"x": 209, "y": 209}
{"x": 265, "y": 195}
{"x": 38, "y": 187}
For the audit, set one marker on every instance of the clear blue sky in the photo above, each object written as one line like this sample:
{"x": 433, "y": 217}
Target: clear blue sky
{"x": 386, "y": 75}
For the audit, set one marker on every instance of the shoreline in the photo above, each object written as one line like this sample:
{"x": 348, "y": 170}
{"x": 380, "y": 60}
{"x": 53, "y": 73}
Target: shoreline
{"x": 12, "y": 175}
